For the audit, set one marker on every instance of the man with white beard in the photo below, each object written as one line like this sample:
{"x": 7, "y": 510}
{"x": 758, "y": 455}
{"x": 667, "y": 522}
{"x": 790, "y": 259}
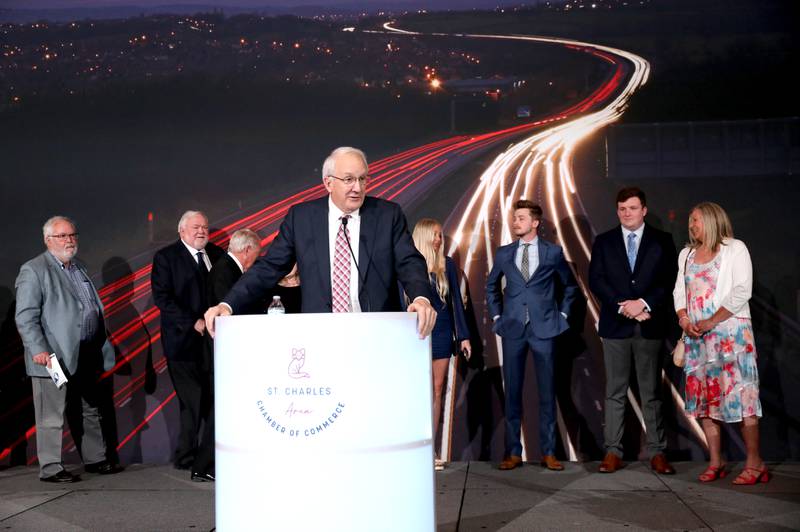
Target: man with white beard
{"x": 59, "y": 315}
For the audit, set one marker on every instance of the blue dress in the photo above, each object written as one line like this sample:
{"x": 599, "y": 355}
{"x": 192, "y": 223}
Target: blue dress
{"x": 451, "y": 324}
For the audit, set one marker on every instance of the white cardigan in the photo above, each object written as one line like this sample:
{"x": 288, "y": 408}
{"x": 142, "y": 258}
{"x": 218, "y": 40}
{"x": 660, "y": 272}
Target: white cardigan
{"x": 734, "y": 284}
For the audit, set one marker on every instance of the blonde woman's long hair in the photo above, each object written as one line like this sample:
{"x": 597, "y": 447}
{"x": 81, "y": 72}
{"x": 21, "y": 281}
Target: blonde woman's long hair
{"x": 716, "y": 226}
{"x": 423, "y": 240}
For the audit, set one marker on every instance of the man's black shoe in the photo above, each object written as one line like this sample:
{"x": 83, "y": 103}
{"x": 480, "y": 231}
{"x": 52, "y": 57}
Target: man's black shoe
{"x": 61, "y": 477}
{"x": 202, "y": 477}
{"x": 103, "y": 468}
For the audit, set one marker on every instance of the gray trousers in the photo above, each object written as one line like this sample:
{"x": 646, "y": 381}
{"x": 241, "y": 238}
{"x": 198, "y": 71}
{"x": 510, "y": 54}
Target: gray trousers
{"x": 78, "y": 401}
{"x": 619, "y": 354}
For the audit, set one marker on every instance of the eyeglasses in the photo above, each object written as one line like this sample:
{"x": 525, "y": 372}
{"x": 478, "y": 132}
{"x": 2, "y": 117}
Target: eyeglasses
{"x": 350, "y": 180}
{"x": 64, "y": 236}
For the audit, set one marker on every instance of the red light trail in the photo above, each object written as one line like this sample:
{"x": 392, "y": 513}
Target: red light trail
{"x": 393, "y": 177}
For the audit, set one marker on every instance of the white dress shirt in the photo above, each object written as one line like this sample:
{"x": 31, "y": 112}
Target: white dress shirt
{"x": 354, "y": 230}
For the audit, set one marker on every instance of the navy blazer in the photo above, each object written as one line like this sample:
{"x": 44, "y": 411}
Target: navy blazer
{"x": 540, "y": 295}
{"x": 454, "y": 295}
{"x": 453, "y": 300}
{"x": 180, "y": 294}
{"x": 386, "y": 255}
{"x": 652, "y": 279}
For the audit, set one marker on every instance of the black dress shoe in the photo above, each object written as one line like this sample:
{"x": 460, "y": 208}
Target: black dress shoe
{"x": 103, "y": 468}
{"x": 182, "y": 466}
{"x": 202, "y": 477}
{"x": 61, "y": 476}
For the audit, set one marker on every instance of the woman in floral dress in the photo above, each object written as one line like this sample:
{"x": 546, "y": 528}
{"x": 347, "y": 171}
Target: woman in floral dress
{"x": 711, "y": 296}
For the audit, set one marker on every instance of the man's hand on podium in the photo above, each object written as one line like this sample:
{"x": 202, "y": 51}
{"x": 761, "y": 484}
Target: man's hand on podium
{"x": 212, "y": 313}
{"x": 426, "y": 316}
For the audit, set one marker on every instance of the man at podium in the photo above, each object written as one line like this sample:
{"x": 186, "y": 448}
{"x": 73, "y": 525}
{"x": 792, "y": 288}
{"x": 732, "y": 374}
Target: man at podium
{"x": 350, "y": 249}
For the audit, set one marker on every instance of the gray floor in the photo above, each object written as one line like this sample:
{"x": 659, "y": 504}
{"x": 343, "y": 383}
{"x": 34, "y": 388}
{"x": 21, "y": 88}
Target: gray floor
{"x": 470, "y": 496}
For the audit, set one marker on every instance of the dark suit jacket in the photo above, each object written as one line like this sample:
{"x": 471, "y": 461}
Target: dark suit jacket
{"x": 539, "y": 295}
{"x": 224, "y": 274}
{"x": 612, "y": 281}
{"x": 180, "y": 295}
{"x": 386, "y": 254}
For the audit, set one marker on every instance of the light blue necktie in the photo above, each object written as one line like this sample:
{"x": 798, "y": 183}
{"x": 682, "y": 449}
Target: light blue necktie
{"x": 632, "y": 249}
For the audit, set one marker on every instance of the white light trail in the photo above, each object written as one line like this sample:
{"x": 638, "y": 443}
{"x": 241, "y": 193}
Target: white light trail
{"x": 514, "y": 170}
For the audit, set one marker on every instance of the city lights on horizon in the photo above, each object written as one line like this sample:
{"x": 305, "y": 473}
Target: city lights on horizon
{"x": 76, "y": 62}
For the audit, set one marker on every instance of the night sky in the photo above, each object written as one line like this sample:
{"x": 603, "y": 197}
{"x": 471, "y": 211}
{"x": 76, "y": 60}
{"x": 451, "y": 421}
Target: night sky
{"x": 58, "y": 4}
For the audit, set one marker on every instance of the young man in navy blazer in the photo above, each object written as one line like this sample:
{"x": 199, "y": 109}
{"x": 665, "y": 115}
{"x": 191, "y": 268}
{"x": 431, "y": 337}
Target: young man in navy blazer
{"x": 529, "y": 316}
{"x": 632, "y": 273}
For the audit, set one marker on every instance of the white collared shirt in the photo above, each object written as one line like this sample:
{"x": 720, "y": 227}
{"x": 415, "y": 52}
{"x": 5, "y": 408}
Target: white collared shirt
{"x": 194, "y": 252}
{"x": 354, "y": 230}
{"x": 239, "y": 264}
{"x": 533, "y": 255}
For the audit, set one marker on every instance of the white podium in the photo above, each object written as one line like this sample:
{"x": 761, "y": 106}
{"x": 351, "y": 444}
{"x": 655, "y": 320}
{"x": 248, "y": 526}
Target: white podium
{"x": 323, "y": 422}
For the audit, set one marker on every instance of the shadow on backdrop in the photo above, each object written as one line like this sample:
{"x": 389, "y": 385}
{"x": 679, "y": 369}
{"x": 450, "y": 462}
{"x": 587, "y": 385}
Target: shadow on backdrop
{"x": 132, "y": 409}
{"x": 16, "y": 414}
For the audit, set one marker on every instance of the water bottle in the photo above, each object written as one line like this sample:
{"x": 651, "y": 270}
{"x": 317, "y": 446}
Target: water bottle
{"x": 276, "y": 307}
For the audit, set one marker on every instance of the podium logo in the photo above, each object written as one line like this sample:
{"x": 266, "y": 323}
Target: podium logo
{"x": 297, "y": 405}
{"x": 296, "y": 364}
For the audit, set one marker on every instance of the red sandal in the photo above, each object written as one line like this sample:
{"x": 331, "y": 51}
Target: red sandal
{"x": 713, "y": 473}
{"x": 752, "y": 475}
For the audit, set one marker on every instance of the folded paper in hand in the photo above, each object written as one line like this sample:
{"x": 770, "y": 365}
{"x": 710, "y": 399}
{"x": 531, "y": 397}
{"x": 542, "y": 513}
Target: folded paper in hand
{"x": 55, "y": 371}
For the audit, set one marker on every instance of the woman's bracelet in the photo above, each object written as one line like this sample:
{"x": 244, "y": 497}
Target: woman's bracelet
{"x": 684, "y": 318}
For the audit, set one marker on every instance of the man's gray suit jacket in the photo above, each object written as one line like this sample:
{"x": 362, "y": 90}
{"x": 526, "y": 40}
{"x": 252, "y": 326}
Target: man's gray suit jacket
{"x": 49, "y": 315}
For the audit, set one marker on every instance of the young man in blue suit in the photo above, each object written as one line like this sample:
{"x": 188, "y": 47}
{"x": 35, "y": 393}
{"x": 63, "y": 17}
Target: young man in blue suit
{"x": 540, "y": 289}
{"x": 632, "y": 273}
{"x": 324, "y": 236}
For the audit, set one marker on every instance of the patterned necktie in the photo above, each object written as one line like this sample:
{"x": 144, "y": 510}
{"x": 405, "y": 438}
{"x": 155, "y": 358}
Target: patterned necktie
{"x": 632, "y": 249}
{"x": 341, "y": 270}
{"x": 525, "y": 269}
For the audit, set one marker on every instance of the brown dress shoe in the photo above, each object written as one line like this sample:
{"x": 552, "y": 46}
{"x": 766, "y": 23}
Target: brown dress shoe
{"x": 549, "y": 461}
{"x": 610, "y": 463}
{"x": 660, "y": 465}
{"x": 510, "y": 463}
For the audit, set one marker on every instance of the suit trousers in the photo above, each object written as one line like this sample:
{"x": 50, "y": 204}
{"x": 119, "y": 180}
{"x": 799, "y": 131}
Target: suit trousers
{"x": 515, "y": 354}
{"x": 204, "y": 461}
{"x": 78, "y": 399}
{"x": 643, "y": 353}
{"x": 190, "y": 382}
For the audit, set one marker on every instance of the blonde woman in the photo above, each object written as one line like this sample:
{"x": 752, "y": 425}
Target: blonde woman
{"x": 451, "y": 326}
{"x": 711, "y": 296}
